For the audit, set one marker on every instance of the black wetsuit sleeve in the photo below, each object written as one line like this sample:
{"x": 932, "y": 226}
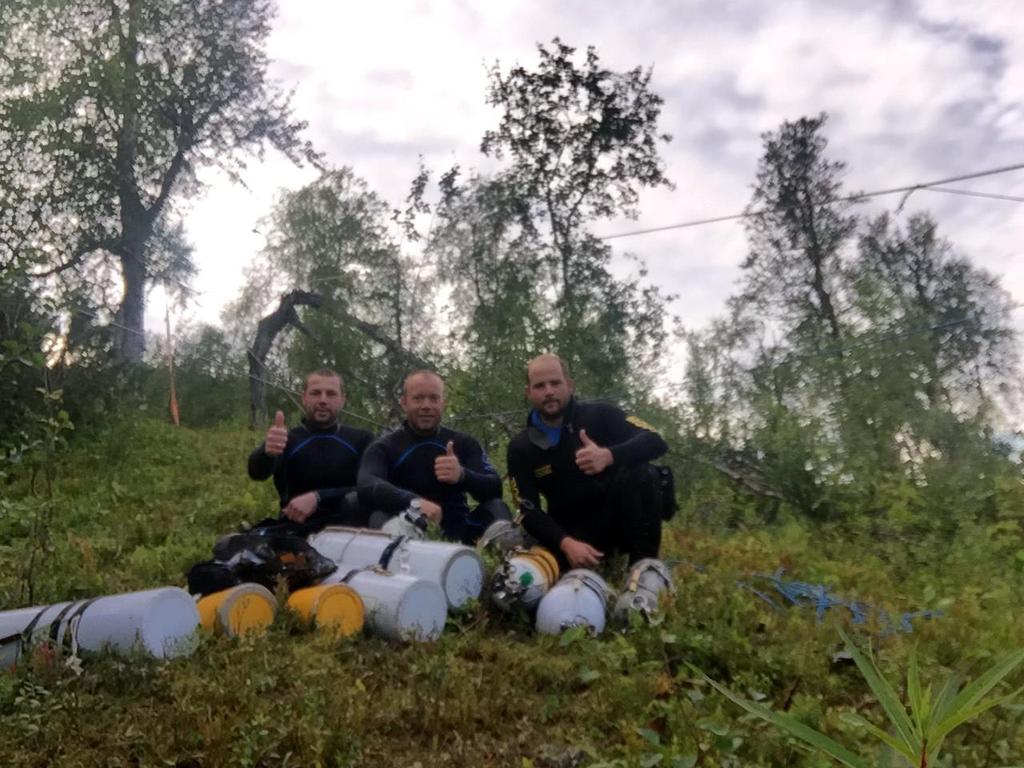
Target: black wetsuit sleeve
{"x": 261, "y": 465}
{"x": 328, "y": 494}
{"x": 479, "y": 478}
{"x": 375, "y": 492}
{"x": 631, "y": 441}
{"x": 537, "y": 523}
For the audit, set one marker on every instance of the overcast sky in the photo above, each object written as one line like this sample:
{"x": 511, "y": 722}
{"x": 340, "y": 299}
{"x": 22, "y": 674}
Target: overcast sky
{"x": 916, "y": 90}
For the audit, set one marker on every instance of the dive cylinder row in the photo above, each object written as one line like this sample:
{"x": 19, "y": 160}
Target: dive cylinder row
{"x": 399, "y": 587}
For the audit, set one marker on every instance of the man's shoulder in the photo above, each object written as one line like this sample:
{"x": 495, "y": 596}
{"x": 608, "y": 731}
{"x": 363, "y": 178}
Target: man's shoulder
{"x": 596, "y": 410}
{"x": 603, "y": 415}
{"x": 355, "y": 435}
{"x": 520, "y": 442}
{"x": 389, "y": 438}
{"x": 298, "y": 432}
{"x": 458, "y": 437}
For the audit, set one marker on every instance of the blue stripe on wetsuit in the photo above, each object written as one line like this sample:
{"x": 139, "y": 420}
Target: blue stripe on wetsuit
{"x": 311, "y": 438}
{"x": 413, "y": 447}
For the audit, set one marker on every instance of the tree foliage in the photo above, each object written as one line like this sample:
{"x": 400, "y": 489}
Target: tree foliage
{"x": 860, "y": 357}
{"x": 579, "y": 142}
{"x": 335, "y": 238}
{"x": 108, "y": 108}
{"x": 797, "y": 230}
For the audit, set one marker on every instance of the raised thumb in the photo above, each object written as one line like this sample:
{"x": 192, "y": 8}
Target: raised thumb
{"x": 584, "y": 438}
{"x": 451, "y": 448}
{"x": 279, "y": 419}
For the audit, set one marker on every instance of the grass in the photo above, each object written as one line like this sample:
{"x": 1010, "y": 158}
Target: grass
{"x": 136, "y": 504}
{"x": 915, "y": 732}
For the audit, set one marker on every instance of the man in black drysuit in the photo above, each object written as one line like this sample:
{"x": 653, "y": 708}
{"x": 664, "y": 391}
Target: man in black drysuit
{"x": 315, "y": 464}
{"x": 589, "y": 461}
{"x": 437, "y": 466}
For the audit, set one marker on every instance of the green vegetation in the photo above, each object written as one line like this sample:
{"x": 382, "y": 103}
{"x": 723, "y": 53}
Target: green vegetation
{"x": 137, "y": 502}
{"x": 915, "y": 736}
{"x": 846, "y": 419}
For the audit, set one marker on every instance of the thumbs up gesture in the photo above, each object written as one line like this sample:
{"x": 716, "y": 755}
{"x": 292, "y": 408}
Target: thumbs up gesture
{"x": 277, "y": 436}
{"x": 447, "y": 468}
{"x": 592, "y": 459}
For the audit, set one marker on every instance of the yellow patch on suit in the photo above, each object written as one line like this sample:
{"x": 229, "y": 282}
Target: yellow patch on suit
{"x": 636, "y": 421}
{"x": 542, "y": 471}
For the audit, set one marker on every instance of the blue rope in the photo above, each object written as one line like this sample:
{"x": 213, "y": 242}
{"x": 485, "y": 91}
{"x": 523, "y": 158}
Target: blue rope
{"x": 804, "y": 595}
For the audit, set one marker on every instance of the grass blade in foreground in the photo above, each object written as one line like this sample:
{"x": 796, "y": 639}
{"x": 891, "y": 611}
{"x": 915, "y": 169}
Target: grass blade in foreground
{"x": 887, "y": 697}
{"x": 917, "y": 740}
{"x": 789, "y": 723}
{"x": 971, "y": 695}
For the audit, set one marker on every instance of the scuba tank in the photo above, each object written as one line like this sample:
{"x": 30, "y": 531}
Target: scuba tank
{"x": 334, "y": 608}
{"x": 398, "y": 606}
{"x": 579, "y": 599}
{"x": 237, "y": 611}
{"x": 456, "y": 568}
{"x": 645, "y": 582}
{"x": 410, "y": 522}
{"x": 523, "y": 579}
{"x": 503, "y": 536}
{"x": 160, "y": 622}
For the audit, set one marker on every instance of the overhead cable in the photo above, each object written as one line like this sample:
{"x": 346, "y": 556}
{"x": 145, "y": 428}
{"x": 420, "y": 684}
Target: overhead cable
{"x": 749, "y": 214}
{"x": 974, "y": 193}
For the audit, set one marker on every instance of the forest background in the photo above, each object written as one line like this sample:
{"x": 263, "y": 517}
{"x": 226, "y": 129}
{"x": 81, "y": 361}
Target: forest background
{"x": 848, "y": 418}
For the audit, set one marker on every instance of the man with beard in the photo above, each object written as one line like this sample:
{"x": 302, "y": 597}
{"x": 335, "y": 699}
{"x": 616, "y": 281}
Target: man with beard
{"x": 423, "y": 463}
{"x": 590, "y": 462}
{"x": 315, "y": 464}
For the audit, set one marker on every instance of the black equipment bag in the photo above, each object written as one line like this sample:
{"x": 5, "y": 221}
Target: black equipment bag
{"x": 209, "y": 576}
{"x": 261, "y": 559}
{"x": 667, "y": 487}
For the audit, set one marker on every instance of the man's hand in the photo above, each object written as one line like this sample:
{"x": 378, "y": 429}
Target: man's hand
{"x": 447, "y": 468}
{"x": 580, "y": 554}
{"x": 592, "y": 459}
{"x": 302, "y": 506}
{"x": 431, "y": 510}
{"x": 277, "y": 436}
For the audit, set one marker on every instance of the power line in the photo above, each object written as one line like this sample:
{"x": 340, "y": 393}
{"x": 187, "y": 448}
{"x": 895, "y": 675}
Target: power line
{"x": 973, "y": 193}
{"x": 907, "y": 190}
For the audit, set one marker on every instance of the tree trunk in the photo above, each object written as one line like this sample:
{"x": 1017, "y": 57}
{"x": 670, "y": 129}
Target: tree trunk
{"x": 130, "y": 339}
{"x": 130, "y": 332}
{"x": 266, "y": 332}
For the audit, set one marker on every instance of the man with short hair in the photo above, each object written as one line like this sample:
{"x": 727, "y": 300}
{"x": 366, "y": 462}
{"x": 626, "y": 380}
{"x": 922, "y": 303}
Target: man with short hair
{"x": 436, "y": 467}
{"x": 590, "y": 462}
{"x": 315, "y": 464}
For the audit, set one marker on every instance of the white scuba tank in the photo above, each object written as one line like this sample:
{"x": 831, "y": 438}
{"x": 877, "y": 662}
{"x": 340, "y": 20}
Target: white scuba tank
{"x": 504, "y": 536}
{"x": 159, "y": 622}
{"x": 579, "y": 599}
{"x": 410, "y": 522}
{"x": 523, "y": 579}
{"x": 645, "y": 583}
{"x": 398, "y": 606}
{"x": 456, "y": 568}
